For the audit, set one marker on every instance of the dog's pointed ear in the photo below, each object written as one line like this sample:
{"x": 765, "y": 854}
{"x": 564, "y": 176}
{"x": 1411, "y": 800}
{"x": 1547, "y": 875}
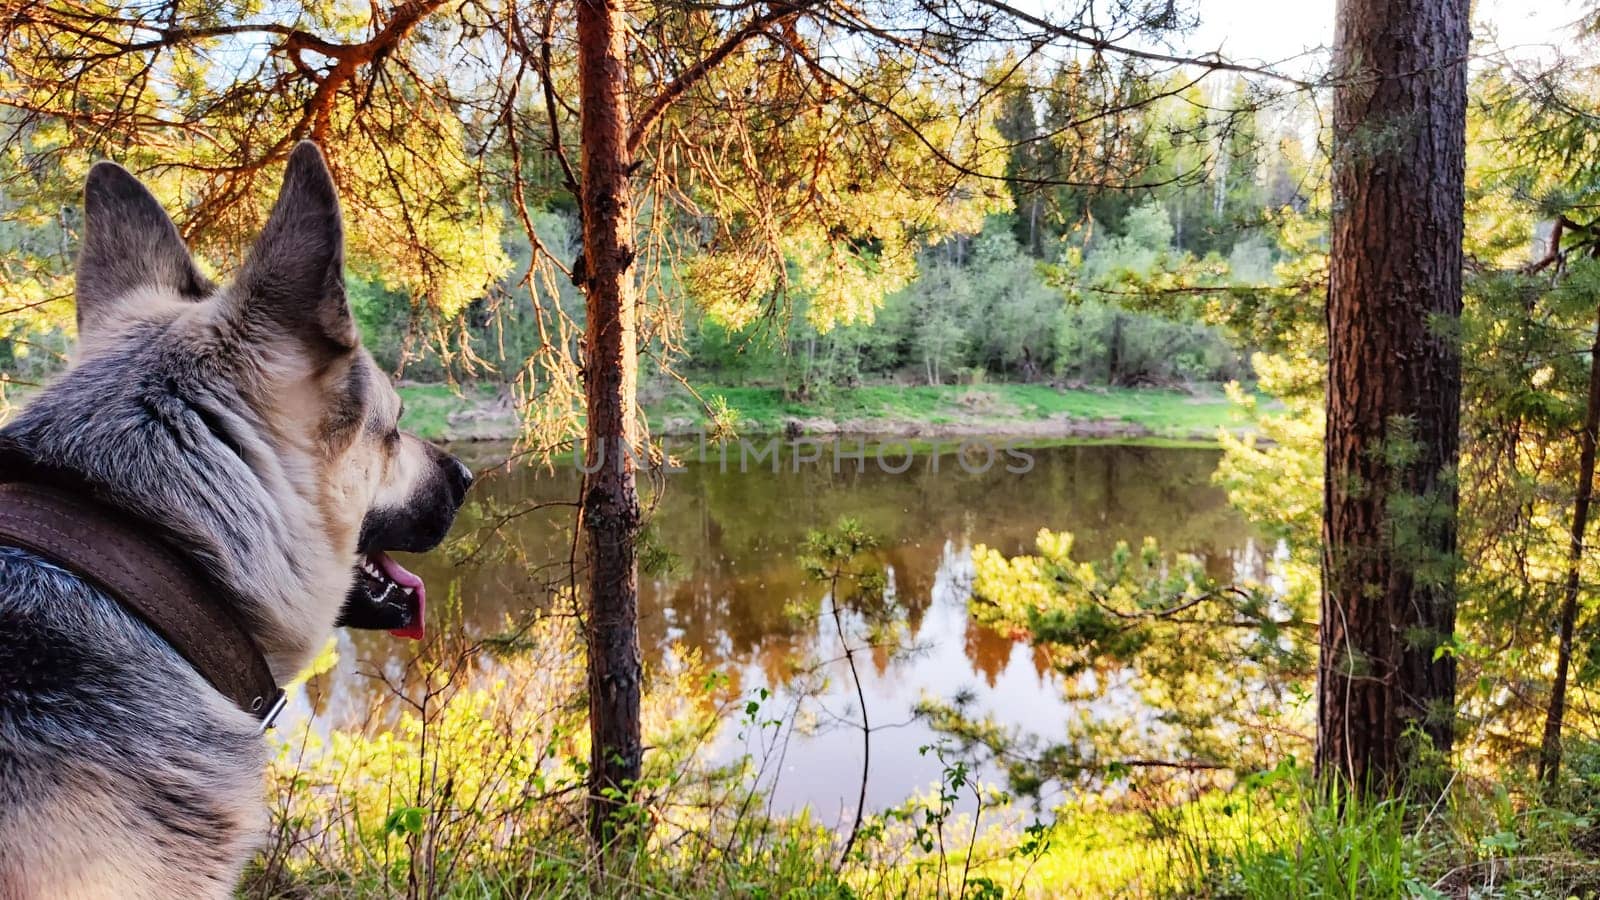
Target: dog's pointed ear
{"x": 293, "y": 279}
{"x": 129, "y": 243}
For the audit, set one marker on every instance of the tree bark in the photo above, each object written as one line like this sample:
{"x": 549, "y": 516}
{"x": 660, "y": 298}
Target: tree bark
{"x": 1394, "y": 388}
{"x": 610, "y": 496}
{"x": 1550, "y": 750}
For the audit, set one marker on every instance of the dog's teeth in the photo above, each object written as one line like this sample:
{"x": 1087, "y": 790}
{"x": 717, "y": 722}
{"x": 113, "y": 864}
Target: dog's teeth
{"x": 408, "y": 590}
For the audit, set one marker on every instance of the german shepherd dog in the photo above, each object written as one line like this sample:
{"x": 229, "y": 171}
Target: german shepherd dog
{"x": 246, "y": 420}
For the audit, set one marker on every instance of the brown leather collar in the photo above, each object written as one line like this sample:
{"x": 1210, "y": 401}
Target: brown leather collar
{"x": 117, "y": 553}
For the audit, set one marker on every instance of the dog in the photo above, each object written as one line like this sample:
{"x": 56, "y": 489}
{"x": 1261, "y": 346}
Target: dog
{"x": 246, "y": 420}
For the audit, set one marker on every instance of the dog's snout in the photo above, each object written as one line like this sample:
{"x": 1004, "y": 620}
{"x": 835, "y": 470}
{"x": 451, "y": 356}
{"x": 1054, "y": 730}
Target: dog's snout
{"x": 460, "y": 476}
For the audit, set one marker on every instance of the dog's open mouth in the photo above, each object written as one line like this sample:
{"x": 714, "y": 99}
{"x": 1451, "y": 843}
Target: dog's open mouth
{"x": 394, "y": 598}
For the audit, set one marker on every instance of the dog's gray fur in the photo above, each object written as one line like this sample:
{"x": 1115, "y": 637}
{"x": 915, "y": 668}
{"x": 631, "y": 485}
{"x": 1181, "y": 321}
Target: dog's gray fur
{"x": 247, "y": 421}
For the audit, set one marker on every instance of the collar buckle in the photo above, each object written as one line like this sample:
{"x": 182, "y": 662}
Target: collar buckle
{"x": 279, "y": 701}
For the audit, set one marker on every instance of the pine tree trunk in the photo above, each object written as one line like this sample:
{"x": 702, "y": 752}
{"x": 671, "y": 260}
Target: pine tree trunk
{"x": 1394, "y": 388}
{"x": 610, "y": 497}
{"x": 1550, "y": 750}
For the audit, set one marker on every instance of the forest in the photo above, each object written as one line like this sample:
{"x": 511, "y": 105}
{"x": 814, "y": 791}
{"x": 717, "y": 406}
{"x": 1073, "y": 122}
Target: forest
{"x": 1060, "y": 456}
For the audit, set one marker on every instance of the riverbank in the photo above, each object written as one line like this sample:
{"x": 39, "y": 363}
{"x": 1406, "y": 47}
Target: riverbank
{"x": 485, "y": 412}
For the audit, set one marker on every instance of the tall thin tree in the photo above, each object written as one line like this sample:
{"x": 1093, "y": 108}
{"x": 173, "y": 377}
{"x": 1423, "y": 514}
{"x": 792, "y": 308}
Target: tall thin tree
{"x": 610, "y": 498}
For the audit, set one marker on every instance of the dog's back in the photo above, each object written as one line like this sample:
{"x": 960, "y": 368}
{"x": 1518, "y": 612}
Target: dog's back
{"x": 122, "y": 774}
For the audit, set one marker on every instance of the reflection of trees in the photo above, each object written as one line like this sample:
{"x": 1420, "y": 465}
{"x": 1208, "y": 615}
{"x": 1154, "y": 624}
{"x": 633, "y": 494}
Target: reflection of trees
{"x": 1042, "y": 664}
{"x": 882, "y": 655}
{"x": 733, "y": 538}
{"x": 987, "y": 649}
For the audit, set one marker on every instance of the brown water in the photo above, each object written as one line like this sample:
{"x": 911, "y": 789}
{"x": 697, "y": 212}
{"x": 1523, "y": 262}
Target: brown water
{"x": 731, "y": 538}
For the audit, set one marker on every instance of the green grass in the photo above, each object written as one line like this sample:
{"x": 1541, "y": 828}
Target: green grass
{"x": 765, "y": 409}
{"x": 1019, "y": 409}
{"x": 428, "y": 406}
{"x": 1161, "y": 411}
{"x": 1164, "y": 413}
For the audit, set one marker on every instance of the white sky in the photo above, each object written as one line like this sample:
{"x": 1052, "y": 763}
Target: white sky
{"x": 1272, "y": 30}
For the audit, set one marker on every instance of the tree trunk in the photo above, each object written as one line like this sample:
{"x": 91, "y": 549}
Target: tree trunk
{"x": 1394, "y": 388}
{"x": 1550, "y": 751}
{"x": 1034, "y": 247}
{"x": 610, "y": 497}
{"x": 1114, "y": 352}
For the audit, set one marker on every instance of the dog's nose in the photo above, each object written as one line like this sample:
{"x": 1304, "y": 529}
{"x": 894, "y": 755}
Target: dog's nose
{"x": 461, "y": 477}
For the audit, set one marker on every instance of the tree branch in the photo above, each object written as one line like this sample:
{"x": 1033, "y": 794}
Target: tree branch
{"x": 1213, "y": 62}
{"x": 646, "y": 119}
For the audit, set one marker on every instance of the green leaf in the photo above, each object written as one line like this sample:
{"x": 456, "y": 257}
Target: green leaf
{"x": 407, "y": 819}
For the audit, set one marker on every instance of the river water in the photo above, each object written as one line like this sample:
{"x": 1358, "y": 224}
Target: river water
{"x": 726, "y": 582}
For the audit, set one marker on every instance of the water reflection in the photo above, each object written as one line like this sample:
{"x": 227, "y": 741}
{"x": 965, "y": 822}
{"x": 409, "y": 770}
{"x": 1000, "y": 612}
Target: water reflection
{"x": 731, "y": 582}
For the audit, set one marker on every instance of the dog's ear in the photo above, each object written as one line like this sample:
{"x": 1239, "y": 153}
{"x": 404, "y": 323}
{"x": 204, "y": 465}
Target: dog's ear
{"x": 129, "y": 243}
{"x": 293, "y": 279}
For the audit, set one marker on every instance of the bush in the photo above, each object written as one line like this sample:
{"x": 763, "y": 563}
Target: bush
{"x": 466, "y": 787}
{"x": 1103, "y": 343}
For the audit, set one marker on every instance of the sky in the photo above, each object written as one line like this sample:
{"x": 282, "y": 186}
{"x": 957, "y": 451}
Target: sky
{"x": 1272, "y": 30}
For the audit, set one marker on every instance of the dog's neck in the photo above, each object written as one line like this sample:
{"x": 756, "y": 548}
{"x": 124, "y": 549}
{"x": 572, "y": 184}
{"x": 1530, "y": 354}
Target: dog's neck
{"x": 54, "y": 515}
{"x": 201, "y": 487}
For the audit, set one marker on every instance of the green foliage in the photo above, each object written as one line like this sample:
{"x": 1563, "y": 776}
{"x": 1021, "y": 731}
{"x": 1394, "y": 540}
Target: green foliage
{"x": 1143, "y": 247}
{"x": 980, "y": 307}
{"x": 828, "y": 555}
{"x": 819, "y": 261}
{"x": 384, "y": 317}
{"x": 1341, "y": 848}
{"x": 1100, "y": 342}
{"x": 414, "y": 220}
{"x": 476, "y": 790}
{"x": 843, "y": 249}
{"x": 1221, "y": 668}
{"x": 1482, "y": 839}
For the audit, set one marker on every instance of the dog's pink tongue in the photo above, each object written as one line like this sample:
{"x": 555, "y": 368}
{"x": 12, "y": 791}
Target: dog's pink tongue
{"x": 397, "y": 573}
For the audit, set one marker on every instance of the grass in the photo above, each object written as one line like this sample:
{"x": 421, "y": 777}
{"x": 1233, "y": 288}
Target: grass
{"x": 428, "y": 406}
{"x": 1277, "y": 834}
{"x": 1019, "y": 409}
{"x": 1161, "y": 411}
{"x": 473, "y": 812}
{"x": 1176, "y": 417}
{"x": 996, "y": 408}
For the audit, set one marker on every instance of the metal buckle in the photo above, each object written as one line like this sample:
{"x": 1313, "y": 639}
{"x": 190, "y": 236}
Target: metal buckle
{"x": 278, "y": 703}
